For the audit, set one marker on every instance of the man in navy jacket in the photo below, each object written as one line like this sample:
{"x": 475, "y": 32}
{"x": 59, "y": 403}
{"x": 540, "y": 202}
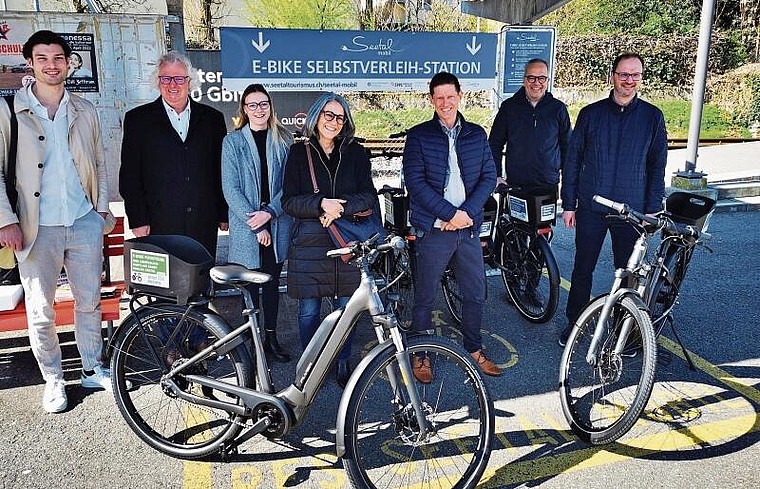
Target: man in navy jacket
{"x": 449, "y": 173}
{"x": 618, "y": 150}
{"x": 536, "y": 129}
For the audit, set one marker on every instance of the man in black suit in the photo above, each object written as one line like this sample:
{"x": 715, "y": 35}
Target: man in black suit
{"x": 170, "y": 175}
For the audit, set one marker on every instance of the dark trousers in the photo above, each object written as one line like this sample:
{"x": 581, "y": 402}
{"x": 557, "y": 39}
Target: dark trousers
{"x": 270, "y": 293}
{"x": 590, "y": 231}
{"x": 434, "y": 251}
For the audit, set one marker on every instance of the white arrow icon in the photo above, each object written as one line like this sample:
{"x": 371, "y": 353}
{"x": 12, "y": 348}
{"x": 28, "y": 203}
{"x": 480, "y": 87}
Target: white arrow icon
{"x": 262, "y": 46}
{"x": 472, "y": 48}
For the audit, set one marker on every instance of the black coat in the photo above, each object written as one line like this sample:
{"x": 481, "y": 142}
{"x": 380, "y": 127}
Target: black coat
{"x": 310, "y": 272}
{"x": 171, "y": 185}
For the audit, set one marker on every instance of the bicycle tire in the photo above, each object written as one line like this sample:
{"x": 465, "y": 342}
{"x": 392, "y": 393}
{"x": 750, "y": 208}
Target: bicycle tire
{"x": 451, "y": 294}
{"x": 142, "y": 354}
{"x": 602, "y": 403}
{"x": 666, "y": 288}
{"x": 381, "y": 445}
{"x": 399, "y": 273}
{"x": 530, "y": 274}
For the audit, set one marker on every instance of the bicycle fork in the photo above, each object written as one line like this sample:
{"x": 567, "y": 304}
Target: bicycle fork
{"x": 388, "y": 322}
{"x": 617, "y": 292}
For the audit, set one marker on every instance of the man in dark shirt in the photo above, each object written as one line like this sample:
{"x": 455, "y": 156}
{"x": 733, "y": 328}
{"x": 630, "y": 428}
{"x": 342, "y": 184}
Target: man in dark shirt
{"x": 618, "y": 150}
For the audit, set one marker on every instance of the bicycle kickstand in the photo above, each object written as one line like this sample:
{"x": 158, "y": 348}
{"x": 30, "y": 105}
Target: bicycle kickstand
{"x": 680, "y": 343}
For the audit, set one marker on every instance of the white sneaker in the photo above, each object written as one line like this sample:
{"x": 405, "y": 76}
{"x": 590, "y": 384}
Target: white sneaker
{"x": 101, "y": 379}
{"x": 54, "y": 399}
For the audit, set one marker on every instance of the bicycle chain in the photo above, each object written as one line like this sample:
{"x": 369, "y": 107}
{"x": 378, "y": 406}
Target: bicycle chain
{"x": 208, "y": 410}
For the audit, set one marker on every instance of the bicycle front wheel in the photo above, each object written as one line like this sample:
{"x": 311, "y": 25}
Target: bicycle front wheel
{"x": 452, "y": 294}
{"x": 603, "y": 401}
{"x": 143, "y": 354}
{"x": 530, "y": 274}
{"x": 384, "y": 447}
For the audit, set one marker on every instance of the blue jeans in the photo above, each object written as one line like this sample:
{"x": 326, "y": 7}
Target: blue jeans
{"x": 434, "y": 251}
{"x": 590, "y": 231}
{"x": 309, "y": 321}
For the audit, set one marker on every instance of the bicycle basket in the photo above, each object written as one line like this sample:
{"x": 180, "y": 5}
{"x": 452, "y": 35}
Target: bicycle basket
{"x": 691, "y": 209}
{"x": 168, "y": 266}
{"x": 536, "y": 210}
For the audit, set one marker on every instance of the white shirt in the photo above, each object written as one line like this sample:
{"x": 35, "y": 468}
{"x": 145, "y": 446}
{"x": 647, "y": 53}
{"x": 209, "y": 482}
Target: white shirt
{"x": 62, "y": 198}
{"x": 180, "y": 122}
{"x": 454, "y": 191}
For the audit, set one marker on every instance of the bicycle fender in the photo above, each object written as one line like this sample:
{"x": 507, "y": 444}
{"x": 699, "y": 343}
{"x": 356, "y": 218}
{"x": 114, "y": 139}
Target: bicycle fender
{"x": 631, "y": 294}
{"x": 119, "y": 330}
{"x": 340, "y": 423}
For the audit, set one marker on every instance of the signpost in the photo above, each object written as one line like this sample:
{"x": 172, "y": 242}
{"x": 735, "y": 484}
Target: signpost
{"x": 517, "y": 46}
{"x": 311, "y": 60}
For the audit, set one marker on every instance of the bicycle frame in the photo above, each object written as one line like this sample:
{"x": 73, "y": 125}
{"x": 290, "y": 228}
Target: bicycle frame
{"x": 311, "y": 370}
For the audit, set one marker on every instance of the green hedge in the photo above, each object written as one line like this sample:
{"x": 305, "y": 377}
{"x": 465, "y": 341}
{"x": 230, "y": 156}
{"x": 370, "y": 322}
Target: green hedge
{"x": 669, "y": 60}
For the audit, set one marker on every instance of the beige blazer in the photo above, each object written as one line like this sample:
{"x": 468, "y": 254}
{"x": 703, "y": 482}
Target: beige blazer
{"x": 86, "y": 147}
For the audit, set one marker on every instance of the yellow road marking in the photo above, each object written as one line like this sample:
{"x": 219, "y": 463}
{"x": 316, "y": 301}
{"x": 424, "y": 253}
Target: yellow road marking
{"x": 552, "y": 465}
{"x": 713, "y": 371}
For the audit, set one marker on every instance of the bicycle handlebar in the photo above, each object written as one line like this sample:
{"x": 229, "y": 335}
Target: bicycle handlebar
{"x": 359, "y": 248}
{"x": 659, "y": 222}
{"x": 397, "y": 135}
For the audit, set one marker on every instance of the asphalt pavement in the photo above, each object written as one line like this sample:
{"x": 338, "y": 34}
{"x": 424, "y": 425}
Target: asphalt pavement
{"x": 700, "y": 428}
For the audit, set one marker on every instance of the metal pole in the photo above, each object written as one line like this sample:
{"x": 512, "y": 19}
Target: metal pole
{"x": 698, "y": 95}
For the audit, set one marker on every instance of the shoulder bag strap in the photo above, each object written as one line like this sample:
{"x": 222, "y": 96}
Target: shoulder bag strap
{"x": 311, "y": 167}
{"x": 10, "y": 176}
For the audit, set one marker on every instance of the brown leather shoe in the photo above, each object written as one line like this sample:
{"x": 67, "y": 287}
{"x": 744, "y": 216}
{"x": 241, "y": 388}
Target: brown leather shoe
{"x": 486, "y": 366}
{"x": 422, "y": 369}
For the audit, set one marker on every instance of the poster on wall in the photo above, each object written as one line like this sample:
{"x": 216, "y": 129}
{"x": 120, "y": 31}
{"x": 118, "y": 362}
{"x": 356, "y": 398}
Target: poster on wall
{"x": 14, "y": 72}
{"x": 83, "y": 72}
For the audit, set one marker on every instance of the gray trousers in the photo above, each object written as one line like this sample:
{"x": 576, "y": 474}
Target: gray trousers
{"x": 78, "y": 249}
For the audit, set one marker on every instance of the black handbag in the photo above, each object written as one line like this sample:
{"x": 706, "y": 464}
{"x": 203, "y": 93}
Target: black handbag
{"x": 357, "y": 227}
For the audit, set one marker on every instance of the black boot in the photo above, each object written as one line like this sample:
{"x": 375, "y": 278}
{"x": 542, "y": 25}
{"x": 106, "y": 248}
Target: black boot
{"x": 272, "y": 346}
{"x": 342, "y": 373}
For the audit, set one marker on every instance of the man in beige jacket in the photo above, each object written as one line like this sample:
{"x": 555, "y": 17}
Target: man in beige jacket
{"x": 61, "y": 212}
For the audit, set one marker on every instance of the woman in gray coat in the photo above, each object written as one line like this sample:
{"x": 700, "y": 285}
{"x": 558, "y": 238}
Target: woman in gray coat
{"x": 253, "y": 159}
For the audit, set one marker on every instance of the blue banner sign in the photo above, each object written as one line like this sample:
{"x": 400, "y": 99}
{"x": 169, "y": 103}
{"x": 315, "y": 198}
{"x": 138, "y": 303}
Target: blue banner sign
{"x": 311, "y": 60}
{"x": 518, "y": 46}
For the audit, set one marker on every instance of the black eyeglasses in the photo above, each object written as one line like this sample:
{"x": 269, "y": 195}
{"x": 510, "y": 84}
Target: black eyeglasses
{"x": 534, "y": 79}
{"x": 627, "y": 76}
{"x": 331, "y": 116}
{"x": 263, "y": 105}
{"x": 179, "y": 80}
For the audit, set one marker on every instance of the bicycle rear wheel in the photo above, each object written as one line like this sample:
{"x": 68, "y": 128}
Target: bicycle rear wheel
{"x": 666, "y": 289}
{"x": 399, "y": 275}
{"x": 452, "y": 294}
{"x": 143, "y": 354}
{"x": 383, "y": 448}
{"x": 602, "y": 402}
{"x": 530, "y": 274}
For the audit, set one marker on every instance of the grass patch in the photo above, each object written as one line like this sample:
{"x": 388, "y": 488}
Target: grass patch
{"x": 716, "y": 123}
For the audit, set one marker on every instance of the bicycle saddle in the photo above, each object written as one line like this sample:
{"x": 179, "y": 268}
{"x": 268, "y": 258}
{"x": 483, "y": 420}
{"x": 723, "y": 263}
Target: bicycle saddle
{"x": 237, "y": 275}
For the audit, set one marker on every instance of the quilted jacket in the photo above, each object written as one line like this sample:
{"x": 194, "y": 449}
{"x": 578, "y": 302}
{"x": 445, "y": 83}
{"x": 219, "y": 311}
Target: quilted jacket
{"x": 618, "y": 152}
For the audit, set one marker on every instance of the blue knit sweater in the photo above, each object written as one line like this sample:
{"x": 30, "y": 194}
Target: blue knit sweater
{"x": 618, "y": 152}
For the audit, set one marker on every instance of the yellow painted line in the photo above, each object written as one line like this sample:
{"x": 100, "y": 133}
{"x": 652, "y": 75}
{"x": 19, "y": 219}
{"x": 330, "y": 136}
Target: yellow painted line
{"x": 713, "y": 371}
{"x": 683, "y": 438}
{"x": 196, "y": 475}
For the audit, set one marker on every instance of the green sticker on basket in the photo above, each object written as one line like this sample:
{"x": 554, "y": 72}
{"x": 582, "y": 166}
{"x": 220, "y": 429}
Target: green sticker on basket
{"x": 148, "y": 268}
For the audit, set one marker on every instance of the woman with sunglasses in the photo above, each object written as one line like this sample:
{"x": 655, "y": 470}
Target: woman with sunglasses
{"x": 253, "y": 160}
{"x": 339, "y": 182}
